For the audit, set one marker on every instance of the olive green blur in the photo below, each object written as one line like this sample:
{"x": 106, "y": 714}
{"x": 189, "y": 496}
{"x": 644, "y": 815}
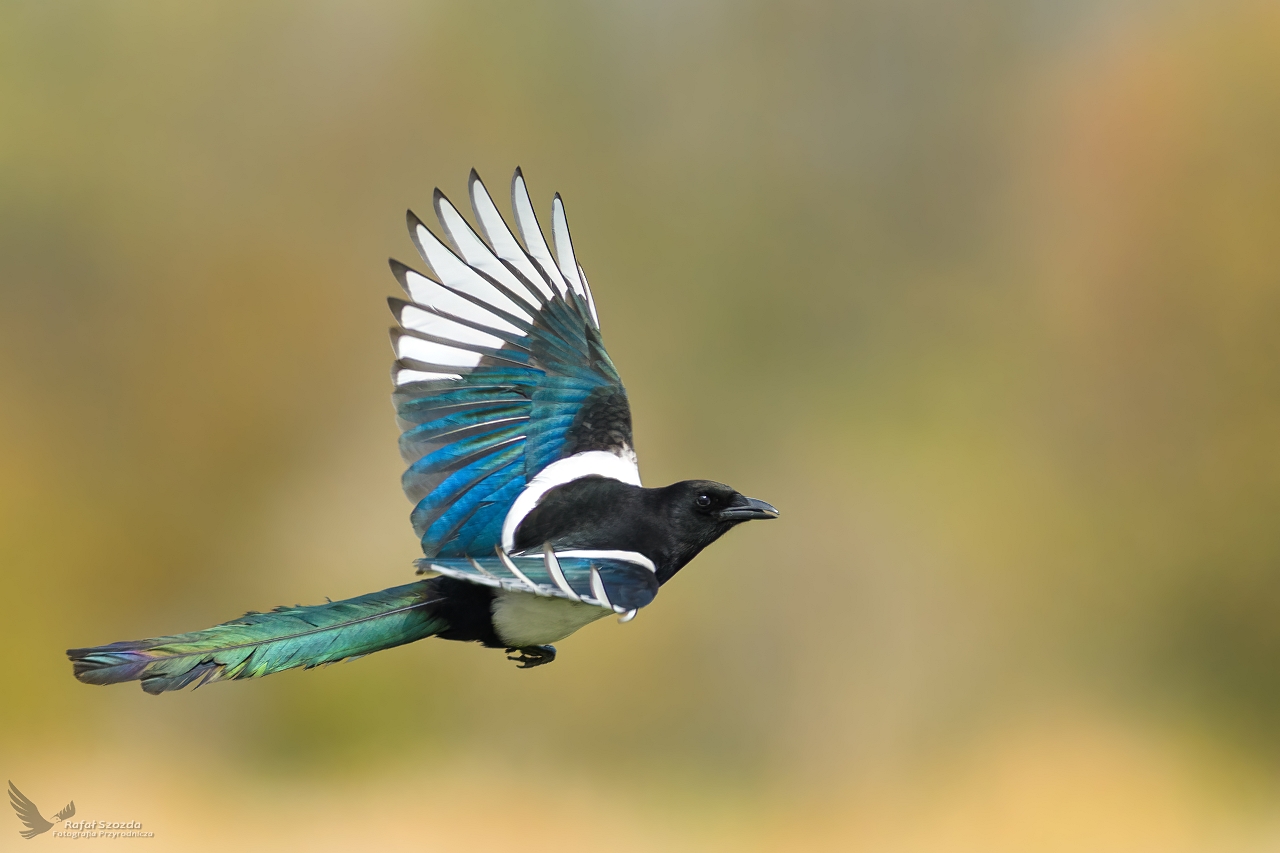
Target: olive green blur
{"x": 982, "y": 296}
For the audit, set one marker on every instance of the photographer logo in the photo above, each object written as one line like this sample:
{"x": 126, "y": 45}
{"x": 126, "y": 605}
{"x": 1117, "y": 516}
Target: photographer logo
{"x": 36, "y": 824}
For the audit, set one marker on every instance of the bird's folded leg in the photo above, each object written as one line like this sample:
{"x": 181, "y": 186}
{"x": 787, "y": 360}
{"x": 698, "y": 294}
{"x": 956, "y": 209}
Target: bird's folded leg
{"x": 531, "y": 656}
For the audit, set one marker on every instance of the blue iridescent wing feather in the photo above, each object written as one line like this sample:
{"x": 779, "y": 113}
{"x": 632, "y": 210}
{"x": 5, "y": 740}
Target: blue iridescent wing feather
{"x": 500, "y": 370}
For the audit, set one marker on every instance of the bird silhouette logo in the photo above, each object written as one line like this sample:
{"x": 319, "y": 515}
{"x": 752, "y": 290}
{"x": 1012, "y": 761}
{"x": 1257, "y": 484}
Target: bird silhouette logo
{"x": 30, "y": 815}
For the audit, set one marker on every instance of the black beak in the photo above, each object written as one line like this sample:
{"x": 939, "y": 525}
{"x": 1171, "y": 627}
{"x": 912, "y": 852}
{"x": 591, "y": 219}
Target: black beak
{"x": 745, "y": 509}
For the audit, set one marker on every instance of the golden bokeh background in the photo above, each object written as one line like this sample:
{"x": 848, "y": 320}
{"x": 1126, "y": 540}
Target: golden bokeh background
{"x": 983, "y": 296}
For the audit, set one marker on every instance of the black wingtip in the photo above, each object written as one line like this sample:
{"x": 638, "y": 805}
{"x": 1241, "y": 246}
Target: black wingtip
{"x": 473, "y": 180}
{"x": 397, "y": 306}
{"x": 438, "y": 199}
{"x": 414, "y": 224}
{"x": 411, "y": 219}
{"x": 401, "y": 272}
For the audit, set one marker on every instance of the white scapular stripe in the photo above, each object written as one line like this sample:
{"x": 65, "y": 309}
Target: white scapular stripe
{"x": 474, "y": 251}
{"x": 431, "y": 352}
{"x": 599, "y": 463}
{"x": 403, "y": 377}
{"x": 424, "y": 291}
{"x": 458, "y": 275}
{"x": 564, "y": 246}
{"x": 527, "y": 223}
{"x": 626, "y": 556}
{"x": 495, "y": 230}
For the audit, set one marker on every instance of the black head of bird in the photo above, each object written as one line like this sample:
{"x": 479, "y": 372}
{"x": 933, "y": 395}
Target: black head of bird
{"x": 698, "y": 512}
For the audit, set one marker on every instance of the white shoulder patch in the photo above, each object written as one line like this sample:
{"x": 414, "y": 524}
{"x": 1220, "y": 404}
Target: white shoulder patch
{"x": 592, "y": 463}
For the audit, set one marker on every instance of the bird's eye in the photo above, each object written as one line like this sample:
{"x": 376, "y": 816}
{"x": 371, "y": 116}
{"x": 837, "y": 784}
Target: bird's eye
{"x": 704, "y": 500}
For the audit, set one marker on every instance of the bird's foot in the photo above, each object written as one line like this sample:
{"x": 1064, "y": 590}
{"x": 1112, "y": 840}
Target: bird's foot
{"x": 531, "y": 656}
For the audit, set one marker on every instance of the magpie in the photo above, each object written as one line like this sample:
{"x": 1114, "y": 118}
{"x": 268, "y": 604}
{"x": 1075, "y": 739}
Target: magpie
{"x": 527, "y": 496}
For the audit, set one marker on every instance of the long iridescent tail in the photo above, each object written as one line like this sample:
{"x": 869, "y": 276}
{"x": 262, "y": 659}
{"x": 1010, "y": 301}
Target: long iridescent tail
{"x": 263, "y": 643}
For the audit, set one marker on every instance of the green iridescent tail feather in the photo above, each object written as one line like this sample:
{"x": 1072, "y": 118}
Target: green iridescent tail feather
{"x": 264, "y": 643}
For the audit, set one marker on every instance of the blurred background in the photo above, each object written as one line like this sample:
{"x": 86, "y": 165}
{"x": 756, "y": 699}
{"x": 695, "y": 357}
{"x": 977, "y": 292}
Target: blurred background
{"x": 982, "y": 295}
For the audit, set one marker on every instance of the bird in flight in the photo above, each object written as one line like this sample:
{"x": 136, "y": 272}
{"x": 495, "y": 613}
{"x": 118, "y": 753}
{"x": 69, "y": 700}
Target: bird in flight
{"x": 527, "y": 497}
{"x": 30, "y": 815}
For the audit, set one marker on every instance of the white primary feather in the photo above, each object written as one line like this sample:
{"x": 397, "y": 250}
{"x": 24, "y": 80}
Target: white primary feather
{"x": 591, "y": 300}
{"x": 474, "y": 251}
{"x": 564, "y": 246}
{"x": 407, "y": 346}
{"x": 495, "y": 230}
{"x": 405, "y": 376}
{"x": 424, "y": 291}
{"x": 413, "y": 317}
{"x": 455, "y": 273}
{"x": 531, "y": 233}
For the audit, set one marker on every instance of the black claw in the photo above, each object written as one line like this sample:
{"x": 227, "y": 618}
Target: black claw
{"x": 527, "y": 657}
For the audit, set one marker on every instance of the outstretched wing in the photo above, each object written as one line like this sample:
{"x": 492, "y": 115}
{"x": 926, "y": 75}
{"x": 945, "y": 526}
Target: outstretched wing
{"x": 67, "y": 813}
{"x": 622, "y": 581}
{"x": 504, "y": 389}
{"x": 27, "y": 813}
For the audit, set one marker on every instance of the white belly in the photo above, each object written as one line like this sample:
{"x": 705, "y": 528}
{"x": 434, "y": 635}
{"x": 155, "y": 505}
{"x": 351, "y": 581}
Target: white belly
{"x": 525, "y": 619}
